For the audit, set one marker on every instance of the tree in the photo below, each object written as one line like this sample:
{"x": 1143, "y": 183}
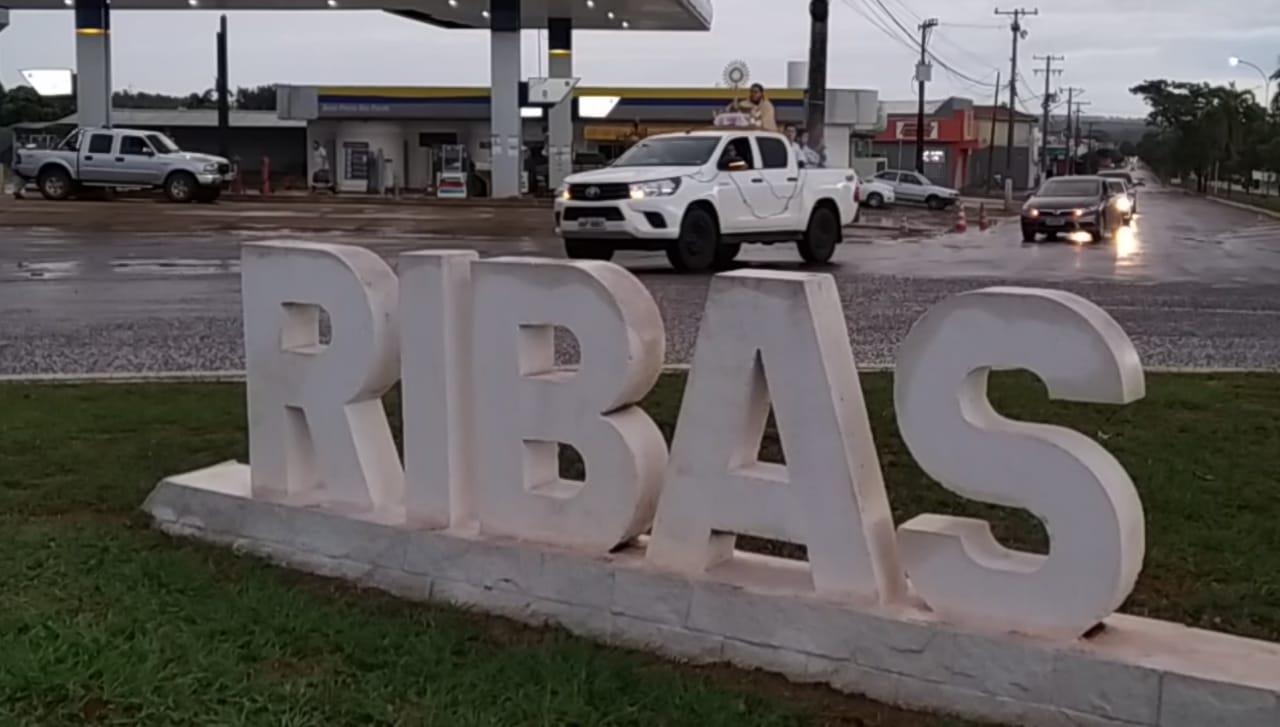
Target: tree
{"x": 1204, "y": 130}
{"x": 256, "y": 98}
{"x": 145, "y": 100}
{"x": 23, "y": 105}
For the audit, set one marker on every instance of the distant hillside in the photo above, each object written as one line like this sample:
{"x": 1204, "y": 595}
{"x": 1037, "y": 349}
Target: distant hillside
{"x": 1116, "y": 128}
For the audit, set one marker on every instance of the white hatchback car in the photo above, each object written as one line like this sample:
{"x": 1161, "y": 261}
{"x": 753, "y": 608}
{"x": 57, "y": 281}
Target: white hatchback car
{"x": 876, "y": 195}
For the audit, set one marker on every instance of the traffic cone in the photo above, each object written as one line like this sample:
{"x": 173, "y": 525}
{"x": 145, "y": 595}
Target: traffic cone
{"x": 984, "y": 223}
{"x": 962, "y": 221}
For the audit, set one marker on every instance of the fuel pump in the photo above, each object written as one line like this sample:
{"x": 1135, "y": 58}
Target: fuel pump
{"x": 455, "y": 172}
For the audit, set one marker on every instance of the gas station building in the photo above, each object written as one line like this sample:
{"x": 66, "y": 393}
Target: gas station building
{"x": 504, "y": 19}
{"x": 411, "y": 126}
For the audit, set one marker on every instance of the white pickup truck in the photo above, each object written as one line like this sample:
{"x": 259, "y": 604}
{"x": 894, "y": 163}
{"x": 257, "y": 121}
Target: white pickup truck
{"x": 123, "y": 158}
{"x": 699, "y": 196}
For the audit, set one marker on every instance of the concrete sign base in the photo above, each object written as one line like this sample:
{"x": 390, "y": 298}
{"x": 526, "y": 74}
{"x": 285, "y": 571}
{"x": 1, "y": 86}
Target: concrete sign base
{"x": 1134, "y": 672}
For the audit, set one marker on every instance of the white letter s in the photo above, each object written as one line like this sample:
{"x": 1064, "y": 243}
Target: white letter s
{"x": 1082, "y": 494}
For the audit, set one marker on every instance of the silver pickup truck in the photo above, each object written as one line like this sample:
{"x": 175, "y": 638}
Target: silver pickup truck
{"x": 123, "y": 158}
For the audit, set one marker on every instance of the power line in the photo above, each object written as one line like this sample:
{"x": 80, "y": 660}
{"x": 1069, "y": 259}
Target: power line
{"x": 884, "y": 8}
{"x": 974, "y": 26}
{"x": 874, "y": 15}
{"x": 883, "y": 19}
{"x": 878, "y": 7}
{"x": 908, "y": 10}
{"x": 879, "y": 25}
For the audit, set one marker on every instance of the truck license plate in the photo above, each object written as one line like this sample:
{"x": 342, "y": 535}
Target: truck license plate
{"x": 591, "y": 223}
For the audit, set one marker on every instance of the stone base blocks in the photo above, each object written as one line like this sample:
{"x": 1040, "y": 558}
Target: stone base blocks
{"x": 1134, "y": 672}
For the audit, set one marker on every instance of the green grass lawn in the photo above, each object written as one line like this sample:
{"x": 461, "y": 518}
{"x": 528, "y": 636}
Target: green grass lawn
{"x": 103, "y": 620}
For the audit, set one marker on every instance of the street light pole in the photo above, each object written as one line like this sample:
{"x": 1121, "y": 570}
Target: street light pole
{"x": 1266, "y": 79}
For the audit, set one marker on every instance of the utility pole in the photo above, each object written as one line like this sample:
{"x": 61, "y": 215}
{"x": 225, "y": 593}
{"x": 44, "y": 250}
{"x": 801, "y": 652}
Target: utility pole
{"x": 816, "y": 98}
{"x": 7, "y": 138}
{"x": 991, "y": 145}
{"x": 1049, "y": 98}
{"x": 1079, "y": 105}
{"x": 224, "y": 103}
{"x": 1018, "y": 33}
{"x": 1068, "y": 138}
{"x": 924, "y": 74}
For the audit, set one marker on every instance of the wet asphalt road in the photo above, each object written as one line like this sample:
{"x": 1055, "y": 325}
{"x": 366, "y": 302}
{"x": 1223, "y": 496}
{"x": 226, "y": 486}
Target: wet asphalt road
{"x": 1196, "y": 284}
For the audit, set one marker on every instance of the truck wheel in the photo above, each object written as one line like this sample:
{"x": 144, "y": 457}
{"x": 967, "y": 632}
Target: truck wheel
{"x": 695, "y": 249}
{"x": 55, "y": 183}
{"x": 726, "y": 254}
{"x": 588, "y": 250}
{"x": 819, "y": 242}
{"x": 875, "y": 200}
{"x": 180, "y": 187}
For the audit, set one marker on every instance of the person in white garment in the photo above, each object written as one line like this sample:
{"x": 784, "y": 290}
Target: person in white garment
{"x": 320, "y": 178}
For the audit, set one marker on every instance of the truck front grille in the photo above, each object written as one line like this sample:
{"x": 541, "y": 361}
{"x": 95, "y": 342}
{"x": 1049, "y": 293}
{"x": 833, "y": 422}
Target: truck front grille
{"x": 599, "y": 192}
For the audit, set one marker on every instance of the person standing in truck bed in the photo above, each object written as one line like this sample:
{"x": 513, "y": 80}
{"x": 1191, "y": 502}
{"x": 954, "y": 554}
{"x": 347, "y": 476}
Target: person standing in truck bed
{"x": 759, "y": 108}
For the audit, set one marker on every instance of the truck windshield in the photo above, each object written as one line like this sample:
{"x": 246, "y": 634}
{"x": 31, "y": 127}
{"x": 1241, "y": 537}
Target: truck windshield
{"x": 1070, "y": 188}
{"x": 671, "y": 151}
{"x": 162, "y": 143}
{"x": 72, "y": 142}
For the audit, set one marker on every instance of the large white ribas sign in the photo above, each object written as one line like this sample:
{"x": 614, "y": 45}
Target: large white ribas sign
{"x": 477, "y": 509}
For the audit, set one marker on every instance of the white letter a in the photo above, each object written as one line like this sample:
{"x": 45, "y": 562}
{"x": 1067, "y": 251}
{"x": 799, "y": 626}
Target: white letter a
{"x": 830, "y": 495}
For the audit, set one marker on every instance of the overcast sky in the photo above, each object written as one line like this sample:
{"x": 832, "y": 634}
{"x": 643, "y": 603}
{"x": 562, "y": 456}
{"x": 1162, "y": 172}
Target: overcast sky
{"x": 1110, "y": 45}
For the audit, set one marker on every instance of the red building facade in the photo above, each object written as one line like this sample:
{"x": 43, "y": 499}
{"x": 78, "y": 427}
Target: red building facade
{"x": 950, "y": 139}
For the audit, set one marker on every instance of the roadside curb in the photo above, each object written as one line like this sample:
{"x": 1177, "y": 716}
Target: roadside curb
{"x": 374, "y": 201}
{"x": 890, "y": 228}
{"x": 236, "y": 377}
{"x": 1242, "y": 206}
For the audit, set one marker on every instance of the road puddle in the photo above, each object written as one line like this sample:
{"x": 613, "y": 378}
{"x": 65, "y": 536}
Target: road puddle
{"x": 46, "y": 270}
{"x": 174, "y": 266}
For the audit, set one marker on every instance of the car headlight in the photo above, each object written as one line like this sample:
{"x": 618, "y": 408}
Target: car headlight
{"x": 1033, "y": 213}
{"x": 657, "y": 188}
{"x": 1124, "y": 204}
{"x": 211, "y": 167}
{"x": 563, "y": 192}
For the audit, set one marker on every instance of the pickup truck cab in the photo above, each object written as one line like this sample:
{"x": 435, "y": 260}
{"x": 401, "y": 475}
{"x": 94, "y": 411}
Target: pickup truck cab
{"x": 699, "y": 196}
{"x": 123, "y": 158}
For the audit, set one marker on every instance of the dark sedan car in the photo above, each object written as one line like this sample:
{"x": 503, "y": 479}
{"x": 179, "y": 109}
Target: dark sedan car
{"x": 1072, "y": 204}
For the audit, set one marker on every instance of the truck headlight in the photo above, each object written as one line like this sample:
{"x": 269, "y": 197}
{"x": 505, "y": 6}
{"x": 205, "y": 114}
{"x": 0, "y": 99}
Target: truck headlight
{"x": 563, "y": 192}
{"x": 211, "y": 167}
{"x": 657, "y": 188}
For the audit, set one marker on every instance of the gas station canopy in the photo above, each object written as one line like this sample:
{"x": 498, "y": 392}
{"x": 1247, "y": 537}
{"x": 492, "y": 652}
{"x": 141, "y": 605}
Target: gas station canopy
{"x": 585, "y": 14}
